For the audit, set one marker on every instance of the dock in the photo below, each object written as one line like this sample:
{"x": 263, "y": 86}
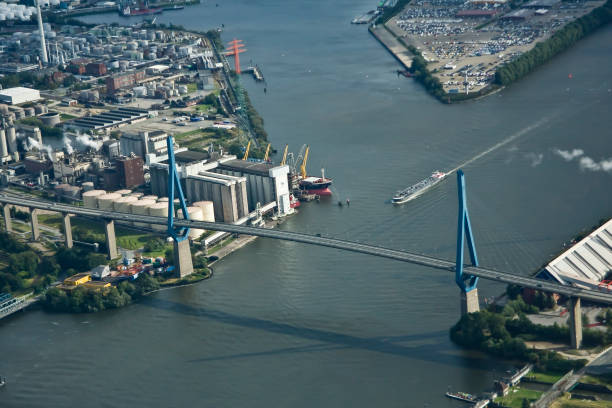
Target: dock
{"x": 256, "y": 71}
{"x": 366, "y": 18}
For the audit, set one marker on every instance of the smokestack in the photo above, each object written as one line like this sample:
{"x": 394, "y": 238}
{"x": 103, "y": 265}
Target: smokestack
{"x": 43, "y": 47}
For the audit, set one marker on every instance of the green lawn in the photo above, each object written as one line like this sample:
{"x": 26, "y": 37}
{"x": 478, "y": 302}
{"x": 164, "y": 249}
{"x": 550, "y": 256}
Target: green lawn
{"x": 566, "y": 402}
{"x": 515, "y": 399}
{"x": 192, "y": 87}
{"x": 127, "y": 238}
{"x": 65, "y": 116}
{"x": 547, "y": 377}
{"x": 600, "y": 380}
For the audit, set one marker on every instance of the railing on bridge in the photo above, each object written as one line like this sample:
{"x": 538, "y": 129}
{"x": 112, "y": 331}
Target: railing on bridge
{"x": 9, "y": 304}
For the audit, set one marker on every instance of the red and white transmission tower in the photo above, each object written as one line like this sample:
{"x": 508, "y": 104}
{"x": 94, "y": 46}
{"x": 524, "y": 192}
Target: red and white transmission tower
{"x": 235, "y": 48}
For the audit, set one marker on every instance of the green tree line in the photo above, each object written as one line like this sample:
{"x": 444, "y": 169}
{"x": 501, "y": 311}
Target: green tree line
{"x": 558, "y": 42}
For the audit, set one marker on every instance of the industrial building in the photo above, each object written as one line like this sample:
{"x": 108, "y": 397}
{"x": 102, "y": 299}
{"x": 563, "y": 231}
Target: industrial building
{"x": 20, "y": 94}
{"x": 113, "y": 118}
{"x": 125, "y": 80}
{"x": 586, "y": 263}
{"x": 144, "y": 143}
{"x": 235, "y": 187}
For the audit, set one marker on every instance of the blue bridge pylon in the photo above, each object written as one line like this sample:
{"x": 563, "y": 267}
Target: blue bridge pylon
{"x": 174, "y": 179}
{"x": 464, "y": 229}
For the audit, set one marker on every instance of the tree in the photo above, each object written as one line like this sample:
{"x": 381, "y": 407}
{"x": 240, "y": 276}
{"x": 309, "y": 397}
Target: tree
{"x": 525, "y": 403}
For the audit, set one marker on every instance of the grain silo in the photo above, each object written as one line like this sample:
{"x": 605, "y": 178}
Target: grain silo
{"x": 159, "y": 210}
{"x": 141, "y": 207}
{"x": 124, "y": 204}
{"x": 90, "y": 198}
{"x": 73, "y": 192}
{"x": 163, "y": 200}
{"x": 137, "y": 195}
{"x": 60, "y": 189}
{"x": 107, "y": 201}
{"x": 208, "y": 210}
{"x": 88, "y": 186}
{"x": 195, "y": 214}
{"x": 124, "y": 192}
{"x": 149, "y": 197}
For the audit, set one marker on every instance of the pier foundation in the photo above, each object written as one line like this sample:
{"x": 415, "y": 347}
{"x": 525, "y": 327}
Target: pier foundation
{"x": 182, "y": 258}
{"x": 67, "y": 230}
{"x": 575, "y": 322}
{"x": 111, "y": 241}
{"x": 34, "y": 223}
{"x": 469, "y": 302}
{"x": 6, "y": 212}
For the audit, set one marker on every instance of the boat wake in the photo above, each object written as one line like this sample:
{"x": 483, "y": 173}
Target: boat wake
{"x": 504, "y": 142}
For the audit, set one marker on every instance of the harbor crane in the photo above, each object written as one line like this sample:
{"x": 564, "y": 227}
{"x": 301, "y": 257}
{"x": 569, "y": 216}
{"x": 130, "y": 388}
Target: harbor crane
{"x": 284, "y": 155}
{"x": 267, "y": 153}
{"x": 304, "y": 161}
{"x": 246, "y": 151}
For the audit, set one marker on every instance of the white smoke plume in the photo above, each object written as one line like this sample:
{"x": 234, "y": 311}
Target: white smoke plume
{"x": 87, "y": 142}
{"x": 68, "y": 145}
{"x": 568, "y": 155}
{"x": 535, "y": 158}
{"x": 33, "y": 144}
{"x": 585, "y": 162}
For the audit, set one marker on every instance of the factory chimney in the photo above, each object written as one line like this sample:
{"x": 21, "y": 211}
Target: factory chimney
{"x": 43, "y": 47}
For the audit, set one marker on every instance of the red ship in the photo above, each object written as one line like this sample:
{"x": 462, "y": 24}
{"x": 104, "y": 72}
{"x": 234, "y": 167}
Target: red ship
{"x": 314, "y": 185}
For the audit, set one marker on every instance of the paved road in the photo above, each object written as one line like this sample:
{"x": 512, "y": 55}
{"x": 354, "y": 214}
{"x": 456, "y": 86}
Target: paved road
{"x": 446, "y": 265}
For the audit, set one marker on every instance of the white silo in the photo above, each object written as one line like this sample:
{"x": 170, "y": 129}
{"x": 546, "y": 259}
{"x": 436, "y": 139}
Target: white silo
{"x": 159, "y": 210}
{"x": 149, "y": 197}
{"x": 107, "y": 201}
{"x": 11, "y": 139}
{"x": 208, "y": 210}
{"x": 87, "y": 186}
{"x": 137, "y": 195}
{"x": 124, "y": 204}
{"x": 195, "y": 214}
{"x": 124, "y": 192}
{"x": 3, "y": 145}
{"x": 163, "y": 200}
{"x": 141, "y": 207}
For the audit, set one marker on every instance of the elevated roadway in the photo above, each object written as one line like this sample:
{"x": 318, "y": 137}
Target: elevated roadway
{"x": 404, "y": 256}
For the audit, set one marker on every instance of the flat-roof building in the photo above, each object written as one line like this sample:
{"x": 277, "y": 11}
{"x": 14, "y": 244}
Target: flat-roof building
{"x": 20, "y": 94}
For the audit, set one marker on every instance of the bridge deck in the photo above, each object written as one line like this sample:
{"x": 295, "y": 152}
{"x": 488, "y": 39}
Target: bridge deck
{"x": 404, "y": 256}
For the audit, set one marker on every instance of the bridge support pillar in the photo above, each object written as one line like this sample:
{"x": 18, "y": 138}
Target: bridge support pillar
{"x": 111, "y": 241}
{"x": 34, "y": 223}
{"x": 575, "y": 322}
{"x": 6, "y": 212}
{"x": 67, "y": 230}
{"x": 182, "y": 258}
{"x": 469, "y": 302}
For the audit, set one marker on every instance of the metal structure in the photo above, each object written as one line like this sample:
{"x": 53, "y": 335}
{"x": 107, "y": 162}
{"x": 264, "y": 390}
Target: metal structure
{"x": 236, "y": 48}
{"x": 43, "y": 47}
{"x": 174, "y": 180}
{"x": 464, "y": 229}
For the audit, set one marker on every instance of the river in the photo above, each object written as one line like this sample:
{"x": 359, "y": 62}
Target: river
{"x": 282, "y": 324}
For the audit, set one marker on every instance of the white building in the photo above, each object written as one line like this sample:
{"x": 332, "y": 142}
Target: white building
{"x": 18, "y": 95}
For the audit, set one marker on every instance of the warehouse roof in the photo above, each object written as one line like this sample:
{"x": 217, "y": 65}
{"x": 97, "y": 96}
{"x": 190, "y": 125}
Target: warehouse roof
{"x": 587, "y": 262}
{"x": 247, "y": 166}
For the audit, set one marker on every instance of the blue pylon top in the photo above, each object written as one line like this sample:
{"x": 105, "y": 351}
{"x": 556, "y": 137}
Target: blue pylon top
{"x": 464, "y": 229}
{"x": 174, "y": 179}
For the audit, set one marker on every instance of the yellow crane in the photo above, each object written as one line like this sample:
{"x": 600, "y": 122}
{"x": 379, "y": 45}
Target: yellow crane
{"x": 267, "y": 152}
{"x": 246, "y": 151}
{"x": 304, "y": 161}
{"x": 285, "y": 155}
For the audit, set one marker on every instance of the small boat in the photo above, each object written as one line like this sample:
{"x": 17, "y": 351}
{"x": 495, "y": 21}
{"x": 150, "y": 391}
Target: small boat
{"x": 461, "y": 396}
{"x": 2, "y": 382}
{"x": 175, "y": 7}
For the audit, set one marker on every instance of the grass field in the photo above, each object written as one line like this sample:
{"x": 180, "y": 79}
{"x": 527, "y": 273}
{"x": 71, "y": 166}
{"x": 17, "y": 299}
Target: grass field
{"x": 515, "y": 397}
{"x": 547, "y": 377}
{"x": 566, "y": 402}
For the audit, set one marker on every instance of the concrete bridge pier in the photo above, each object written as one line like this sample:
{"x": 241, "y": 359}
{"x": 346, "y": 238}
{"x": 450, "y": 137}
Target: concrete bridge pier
{"x": 469, "y": 302}
{"x": 111, "y": 241}
{"x": 67, "y": 230}
{"x": 182, "y": 258}
{"x": 575, "y": 322}
{"x": 34, "y": 222}
{"x": 6, "y": 212}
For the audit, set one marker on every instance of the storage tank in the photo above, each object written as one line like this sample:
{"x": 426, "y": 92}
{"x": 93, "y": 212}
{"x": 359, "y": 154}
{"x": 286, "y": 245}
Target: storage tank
{"x": 183, "y": 89}
{"x": 87, "y": 186}
{"x": 137, "y": 195}
{"x": 124, "y": 65}
{"x": 60, "y": 189}
{"x": 29, "y": 111}
{"x": 72, "y": 192}
{"x": 4, "y": 109}
{"x": 195, "y": 214}
{"x": 50, "y": 119}
{"x": 141, "y": 207}
{"x": 11, "y": 139}
{"x": 163, "y": 200}
{"x": 124, "y": 204}
{"x": 208, "y": 210}
{"x": 114, "y": 65}
{"x": 107, "y": 201}
{"x": 140, "y": 91}
{"x": 124, "y": 192}
{"x": 39, "y": 109}
{"x": 159, "y": 210}
{"x": 3, "y": 144}
{"x": 149, "y": 197}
